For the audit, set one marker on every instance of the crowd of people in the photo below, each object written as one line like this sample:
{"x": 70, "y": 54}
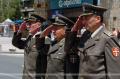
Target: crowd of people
{"x": 59, "y": 48}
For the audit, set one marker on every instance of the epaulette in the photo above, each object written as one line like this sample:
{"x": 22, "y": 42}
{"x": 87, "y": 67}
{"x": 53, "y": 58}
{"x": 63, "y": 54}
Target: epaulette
{"x": 108, "y": 33}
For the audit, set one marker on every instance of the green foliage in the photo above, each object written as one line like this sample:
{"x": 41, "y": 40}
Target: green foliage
{"x": 9, "y": 9}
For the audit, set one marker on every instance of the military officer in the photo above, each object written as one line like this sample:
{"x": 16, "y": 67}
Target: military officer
{"x": 30, "y": 70}
{"x": 71, "y": 60}
{"x": 56, "y": 53}
{"x": 99, "y": 53}
{"x": 42, "y": 45}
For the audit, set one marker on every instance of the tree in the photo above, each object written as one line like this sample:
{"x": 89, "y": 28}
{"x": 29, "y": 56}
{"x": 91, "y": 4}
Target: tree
{"x": 9, "y": 9}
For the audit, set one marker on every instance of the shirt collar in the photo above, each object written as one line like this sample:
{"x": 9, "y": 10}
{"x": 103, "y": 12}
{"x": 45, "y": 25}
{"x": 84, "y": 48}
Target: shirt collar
{"x": 100, "y": 29}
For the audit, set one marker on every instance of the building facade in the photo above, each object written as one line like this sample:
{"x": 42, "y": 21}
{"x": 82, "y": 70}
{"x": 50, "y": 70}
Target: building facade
{"x": 71, "y": 9}
{"x": 27, "y": 7}
{"x": 41, "y": 7}
{"x": 112, "y": 15}
{"x": 114, "y": 19}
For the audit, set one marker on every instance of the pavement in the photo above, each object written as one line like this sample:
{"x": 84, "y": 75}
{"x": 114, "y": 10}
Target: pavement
{"x": 7, "y": 47}
{"x": 11, "y": 66}
{"x": 11, "y": 60}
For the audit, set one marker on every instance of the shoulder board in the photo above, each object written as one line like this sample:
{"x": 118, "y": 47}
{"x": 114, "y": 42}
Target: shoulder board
{"x": 108, "y": 33}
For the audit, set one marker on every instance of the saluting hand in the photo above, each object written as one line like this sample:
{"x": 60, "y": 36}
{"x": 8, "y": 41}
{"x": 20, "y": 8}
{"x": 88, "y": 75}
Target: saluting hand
{"x": 23, "y": 26}
{"x": 34, "y": 28}
{"x": 48, "y": 30}
{"x": 78, "y": 25}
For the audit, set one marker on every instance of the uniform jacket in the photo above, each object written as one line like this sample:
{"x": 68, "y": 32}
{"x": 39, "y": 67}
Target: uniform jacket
{"x": 17, "y": 42}
{"x": 55, "y": 56}
{"x": 96, "y": 56}
{"x": 32, "y": 58}
{"x": 55, "y": 61}
{"x": 57, "y": 50}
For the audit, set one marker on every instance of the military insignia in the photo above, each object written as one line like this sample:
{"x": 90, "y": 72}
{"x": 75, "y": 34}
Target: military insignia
{"x": 115, "y": 51}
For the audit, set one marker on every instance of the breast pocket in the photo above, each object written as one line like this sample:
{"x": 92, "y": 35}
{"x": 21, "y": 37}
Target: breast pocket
{"x": 94, "y": 59}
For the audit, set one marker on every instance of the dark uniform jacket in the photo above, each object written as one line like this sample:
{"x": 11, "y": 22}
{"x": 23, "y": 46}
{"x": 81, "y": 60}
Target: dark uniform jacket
{"x": 32, "y": 59}
{"x": 97, "y": 57}
{"x": 71, "y": 64}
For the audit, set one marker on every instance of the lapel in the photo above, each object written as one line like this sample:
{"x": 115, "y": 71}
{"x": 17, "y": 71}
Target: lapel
{"x": 90, "y": 43}
{"x": 32, "y": 41}
{"x": 55, "y": 47}
{"x": 28, "y": 41}
{"x": 93, "y": 40}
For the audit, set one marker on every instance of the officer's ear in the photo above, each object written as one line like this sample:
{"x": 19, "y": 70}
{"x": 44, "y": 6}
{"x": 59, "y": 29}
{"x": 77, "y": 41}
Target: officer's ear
{"x": 98, "y": 19}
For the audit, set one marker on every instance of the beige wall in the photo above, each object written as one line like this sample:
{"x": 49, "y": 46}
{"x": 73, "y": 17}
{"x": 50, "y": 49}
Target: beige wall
{"x": 115, "y": 14}
{"x": 112, "y": 16}
{"x": 113, "y": 11}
